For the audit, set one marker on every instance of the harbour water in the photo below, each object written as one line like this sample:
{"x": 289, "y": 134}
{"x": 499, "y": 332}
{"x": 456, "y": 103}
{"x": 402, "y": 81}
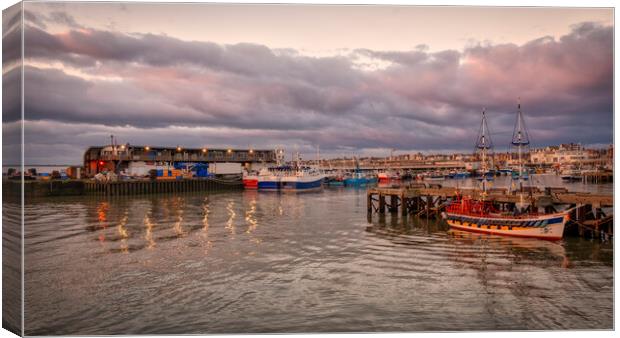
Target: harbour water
{"x": 248, "y": 261}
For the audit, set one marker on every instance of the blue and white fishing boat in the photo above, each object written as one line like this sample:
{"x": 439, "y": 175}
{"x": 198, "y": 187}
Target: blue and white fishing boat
{"x": 302, "y": 179}
{"x": 271, "y": 181}
{"x": 295, "y": 178}
{"x": 269, "y": 178}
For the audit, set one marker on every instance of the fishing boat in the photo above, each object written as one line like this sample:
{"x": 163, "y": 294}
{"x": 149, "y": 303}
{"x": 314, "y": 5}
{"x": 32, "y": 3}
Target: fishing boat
{"x": 383, "y": 177}
{"x": 505, "y": 171}
{"x": 358, "y": 178}
{"x": 335, "y": 180}
{"x": 480, "y": 214}
{"x": 302, "y": 179}
{"x": 250, "y": 180}
{"x": 436, "y": 176}
{"x": 269, "y": 179}
{"x": 272, "y": 180}
{"x": 461, "y": 174}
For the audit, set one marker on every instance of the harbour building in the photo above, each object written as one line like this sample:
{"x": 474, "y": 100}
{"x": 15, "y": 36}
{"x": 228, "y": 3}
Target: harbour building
{"x": 140, "y": 159}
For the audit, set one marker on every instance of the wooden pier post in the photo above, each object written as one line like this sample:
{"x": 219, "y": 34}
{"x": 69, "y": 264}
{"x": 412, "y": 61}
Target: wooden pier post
{"x": 393, "y": 204}
{"x": 381, "y": 203}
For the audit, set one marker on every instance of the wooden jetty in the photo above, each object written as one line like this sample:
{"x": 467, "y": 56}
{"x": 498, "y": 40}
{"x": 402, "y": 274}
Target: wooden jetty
{"x": 431, "y": 200}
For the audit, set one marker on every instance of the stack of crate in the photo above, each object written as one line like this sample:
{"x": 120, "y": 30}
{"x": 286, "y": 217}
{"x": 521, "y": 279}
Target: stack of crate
{"x": 176, "y": 174}
{"x": 164, "y": 174}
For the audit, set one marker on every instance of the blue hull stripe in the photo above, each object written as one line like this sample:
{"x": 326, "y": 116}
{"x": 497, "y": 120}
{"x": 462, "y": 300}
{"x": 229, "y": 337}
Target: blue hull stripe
{"x": 268, "y": 185}
{"x": 284, "y": 185}
{"x": 301, "y": 185}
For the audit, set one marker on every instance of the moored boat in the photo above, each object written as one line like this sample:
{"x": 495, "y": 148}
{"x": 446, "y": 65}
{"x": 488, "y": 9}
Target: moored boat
{"x": 270, "y": 182}
{"x": 302, "y": 180}
{"x": 479, "y": 216}
{"x": 383, "y": 177}
{"x": 250, "y": 180}
{"x": 461, "y": 174}
{"x": 435, "y": 177}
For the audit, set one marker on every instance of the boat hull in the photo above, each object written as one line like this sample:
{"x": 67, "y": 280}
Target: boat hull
{"x": 269, "y": 183}
{"x": 250, "y": 182}
{"x": 354, "y": 182}
{"x": 295, "y": 184}
{"x": 548, "y": 227}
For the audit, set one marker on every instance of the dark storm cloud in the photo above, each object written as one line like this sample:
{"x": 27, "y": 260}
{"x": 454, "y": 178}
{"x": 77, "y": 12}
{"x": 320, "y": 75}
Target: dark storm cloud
{"x": 421, "y": 100}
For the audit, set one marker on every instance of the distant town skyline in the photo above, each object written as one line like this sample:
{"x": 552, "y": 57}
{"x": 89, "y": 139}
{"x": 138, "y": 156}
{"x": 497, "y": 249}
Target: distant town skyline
{"x": 354, "y": 80}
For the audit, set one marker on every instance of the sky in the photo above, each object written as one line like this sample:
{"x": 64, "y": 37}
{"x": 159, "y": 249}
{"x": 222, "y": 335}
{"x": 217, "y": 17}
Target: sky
{"x": 352, "y": 80}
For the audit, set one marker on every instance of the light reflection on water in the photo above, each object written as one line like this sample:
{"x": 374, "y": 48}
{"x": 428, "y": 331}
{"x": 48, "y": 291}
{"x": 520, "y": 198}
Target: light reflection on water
{"x": 266, "y": 262}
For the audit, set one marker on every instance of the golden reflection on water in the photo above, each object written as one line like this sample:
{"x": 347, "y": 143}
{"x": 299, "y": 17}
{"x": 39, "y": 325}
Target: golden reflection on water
{"x": 123, "y": 233}
{"x": 250, "y": 217}
{"x": 230, "y": 224}
{"x": 179, "y": 206}
{"x": 205, "y": 224}
{"x": 205, "y": 218}
{"x": 148, "y": 236}
{"x": 102, "y": 219}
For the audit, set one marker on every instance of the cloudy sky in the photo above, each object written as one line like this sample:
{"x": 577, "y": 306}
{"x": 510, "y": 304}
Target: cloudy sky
{"x": 352, "y": 79}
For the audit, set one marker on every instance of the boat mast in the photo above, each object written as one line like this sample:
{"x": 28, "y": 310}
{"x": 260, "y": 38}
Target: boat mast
{"x": 520, "y": 139}
{"x": 484, "y": 143}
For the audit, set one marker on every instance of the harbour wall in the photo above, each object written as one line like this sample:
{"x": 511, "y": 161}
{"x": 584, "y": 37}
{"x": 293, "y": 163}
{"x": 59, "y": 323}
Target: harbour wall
{"x": 12, "y": 188}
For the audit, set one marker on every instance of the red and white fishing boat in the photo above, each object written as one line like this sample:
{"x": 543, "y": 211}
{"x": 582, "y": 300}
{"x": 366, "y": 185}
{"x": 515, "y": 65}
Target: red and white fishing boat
{"x": 383, "y": 177}
{"x": 250, "y": 180}
{"x": 479, "y": 215}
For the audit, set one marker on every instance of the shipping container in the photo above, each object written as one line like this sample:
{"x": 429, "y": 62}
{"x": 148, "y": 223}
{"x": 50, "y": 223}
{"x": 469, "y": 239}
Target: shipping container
{"x": 226, "y": 168}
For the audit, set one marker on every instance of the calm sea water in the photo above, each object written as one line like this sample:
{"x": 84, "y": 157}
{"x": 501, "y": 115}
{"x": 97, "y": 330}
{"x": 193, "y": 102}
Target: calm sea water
{"x": 266, "y": 262}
